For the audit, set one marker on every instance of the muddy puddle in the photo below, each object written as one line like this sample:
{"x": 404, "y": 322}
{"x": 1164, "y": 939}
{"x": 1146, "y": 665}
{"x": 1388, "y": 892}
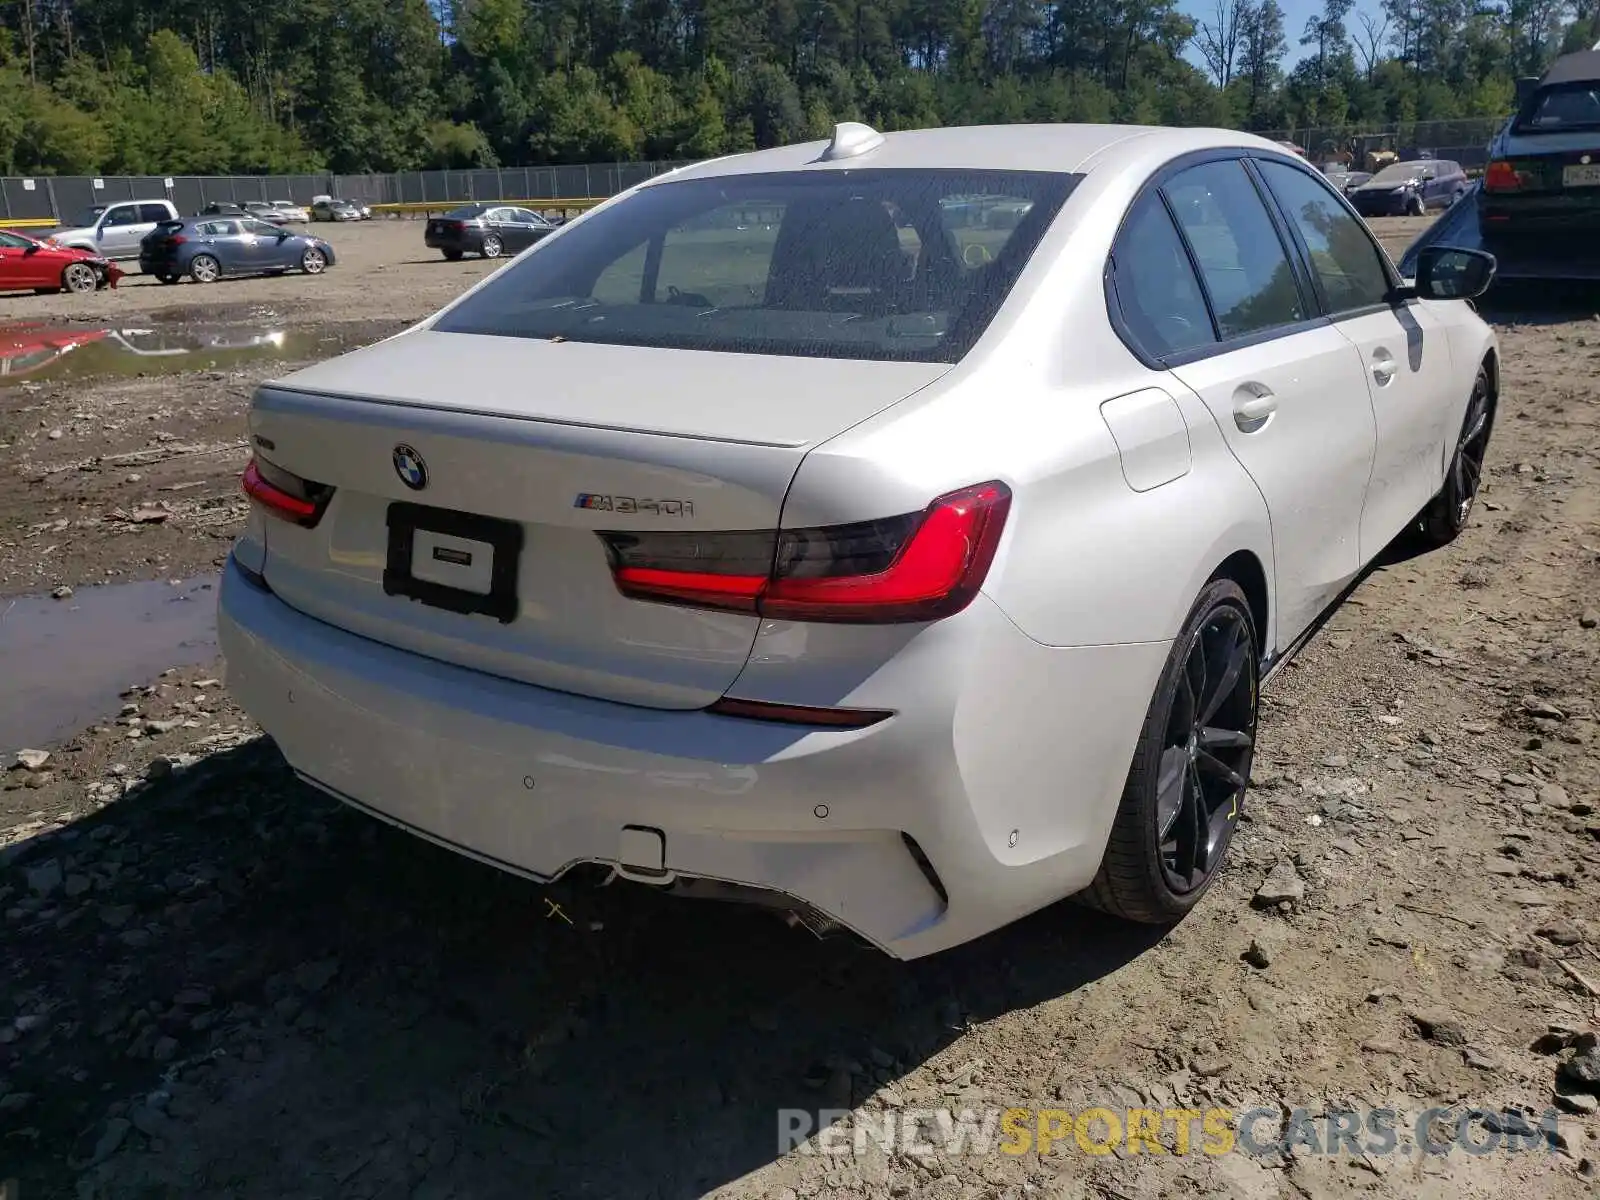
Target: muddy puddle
{"x": 63, "y": 662}
{"x": 41, "y": 351}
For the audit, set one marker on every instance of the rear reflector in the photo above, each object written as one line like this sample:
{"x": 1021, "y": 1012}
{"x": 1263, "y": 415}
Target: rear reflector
{"x": 284, "y": 494}
{"x": 799, "y": 714}
{"x": 917, "y": 567}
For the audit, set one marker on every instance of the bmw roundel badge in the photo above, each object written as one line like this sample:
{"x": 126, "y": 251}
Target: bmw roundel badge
{"x": 409, "y": 466}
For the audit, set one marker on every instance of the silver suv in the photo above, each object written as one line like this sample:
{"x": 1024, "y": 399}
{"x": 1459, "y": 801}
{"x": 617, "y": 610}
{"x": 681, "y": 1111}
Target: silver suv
{"x": 115, "y": 230}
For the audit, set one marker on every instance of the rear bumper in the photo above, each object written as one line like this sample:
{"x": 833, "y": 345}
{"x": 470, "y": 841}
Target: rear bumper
{"x": 1557, "y": 214}
{"x": 449, "y": 241}
{"x": 1009, "y": 794}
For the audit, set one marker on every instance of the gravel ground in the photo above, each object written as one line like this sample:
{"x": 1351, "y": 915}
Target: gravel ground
{"x": 221, "y": 984}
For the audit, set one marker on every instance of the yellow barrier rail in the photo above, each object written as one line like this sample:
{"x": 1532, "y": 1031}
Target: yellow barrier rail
{"x": 576, "y": 205}
{"x": 29, "y": 223}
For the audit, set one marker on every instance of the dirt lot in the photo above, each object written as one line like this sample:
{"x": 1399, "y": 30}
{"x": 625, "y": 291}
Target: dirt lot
{"x": 219, "y": 983}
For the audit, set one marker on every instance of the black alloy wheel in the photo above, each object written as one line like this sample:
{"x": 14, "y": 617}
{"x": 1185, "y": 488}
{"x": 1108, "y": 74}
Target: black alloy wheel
{"x": 1191, "y": 767}
{"x": 1446, "y": 516}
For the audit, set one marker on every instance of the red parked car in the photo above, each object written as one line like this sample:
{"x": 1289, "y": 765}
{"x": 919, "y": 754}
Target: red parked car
{"x": 29, "y": 264}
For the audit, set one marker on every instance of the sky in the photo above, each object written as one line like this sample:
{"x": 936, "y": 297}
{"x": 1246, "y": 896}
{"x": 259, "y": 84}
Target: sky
{"x": 1295, "y": 15}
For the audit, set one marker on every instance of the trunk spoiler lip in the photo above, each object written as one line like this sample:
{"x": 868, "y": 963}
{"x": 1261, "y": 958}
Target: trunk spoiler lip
{"x": 288, "y": 389}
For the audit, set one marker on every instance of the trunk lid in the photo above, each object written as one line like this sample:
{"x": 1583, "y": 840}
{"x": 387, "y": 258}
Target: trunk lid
{"x": 162, "y": 238}
{"x": 543, "y": 443}
{"x": 1574, "y": 168}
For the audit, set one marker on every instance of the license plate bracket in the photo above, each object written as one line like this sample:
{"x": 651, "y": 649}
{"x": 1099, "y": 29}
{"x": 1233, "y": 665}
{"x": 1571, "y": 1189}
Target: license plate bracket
{"x": 406, "y": 520}
{"x": 1583, "y": 175}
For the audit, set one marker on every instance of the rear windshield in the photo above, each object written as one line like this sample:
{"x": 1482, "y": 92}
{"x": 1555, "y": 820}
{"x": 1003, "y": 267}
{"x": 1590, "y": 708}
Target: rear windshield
{"x": 889, "y": 264}
{"x": 1563, "y": 108}
{"x": 464, "y": 213}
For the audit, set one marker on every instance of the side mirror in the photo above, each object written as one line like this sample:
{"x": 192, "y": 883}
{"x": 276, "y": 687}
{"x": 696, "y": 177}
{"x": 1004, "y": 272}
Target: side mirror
{"x": 1452, "y": 273}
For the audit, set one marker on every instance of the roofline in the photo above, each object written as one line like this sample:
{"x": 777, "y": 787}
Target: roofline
{"x": 1117, "y": 138}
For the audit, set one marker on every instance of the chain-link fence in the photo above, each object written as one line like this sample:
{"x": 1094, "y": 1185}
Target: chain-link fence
{"x": 61, "y": 197}
{"x": 1464, "y": 141}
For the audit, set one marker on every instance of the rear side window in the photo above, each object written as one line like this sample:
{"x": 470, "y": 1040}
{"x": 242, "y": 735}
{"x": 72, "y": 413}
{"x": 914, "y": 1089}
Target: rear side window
{"x": 1156, "y": 289}
{"x": 1344, "y": 259}
{"x": 881, "y": 264}
{"x": 153, "y": 212}
{"x": 1242, "y": 261}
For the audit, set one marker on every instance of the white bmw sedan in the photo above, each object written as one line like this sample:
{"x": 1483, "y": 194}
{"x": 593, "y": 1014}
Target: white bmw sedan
{"x": 894, "y": 530}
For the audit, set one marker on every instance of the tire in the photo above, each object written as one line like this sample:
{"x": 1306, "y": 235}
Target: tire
{"x": 79, "y": 278}
{"x": 492, "y": 246}
{"x": 313, "y": 261}
{"x": 1415, "y": 207}
{"x": 1216, "y": 656}
{"x": 1447, "y": 513}
{"x": 452, "y": 255}
{"x": 203, "y": 268}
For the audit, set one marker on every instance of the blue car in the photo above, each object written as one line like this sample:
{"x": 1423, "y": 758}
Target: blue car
{"x": 206, "y": 248}
{"x": 1410, "y": 188}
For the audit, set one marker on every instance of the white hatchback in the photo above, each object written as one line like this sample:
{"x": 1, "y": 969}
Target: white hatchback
{"x": 893, "y": 530}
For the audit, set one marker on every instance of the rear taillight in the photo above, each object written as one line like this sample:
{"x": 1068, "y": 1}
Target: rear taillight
{"x": 284, "y": 494}
{"x": 1502, "y": 176}
{"x": 176, "y": 239}
{"x": 918, "y": 567}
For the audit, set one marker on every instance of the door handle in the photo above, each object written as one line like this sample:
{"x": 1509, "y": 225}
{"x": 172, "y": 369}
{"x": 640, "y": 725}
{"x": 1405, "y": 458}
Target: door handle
{"x": 1383, "y": 369}
{"x": 1253, "y": 405}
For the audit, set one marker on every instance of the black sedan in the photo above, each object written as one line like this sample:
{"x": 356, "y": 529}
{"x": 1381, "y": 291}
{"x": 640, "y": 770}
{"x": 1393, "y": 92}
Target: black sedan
{"x": 207, "y": 248}
{"x": 486, "y": 229}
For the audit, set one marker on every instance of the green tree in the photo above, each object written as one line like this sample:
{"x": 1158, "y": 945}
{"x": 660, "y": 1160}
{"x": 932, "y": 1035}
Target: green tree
{"x": 202, "y": 85}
